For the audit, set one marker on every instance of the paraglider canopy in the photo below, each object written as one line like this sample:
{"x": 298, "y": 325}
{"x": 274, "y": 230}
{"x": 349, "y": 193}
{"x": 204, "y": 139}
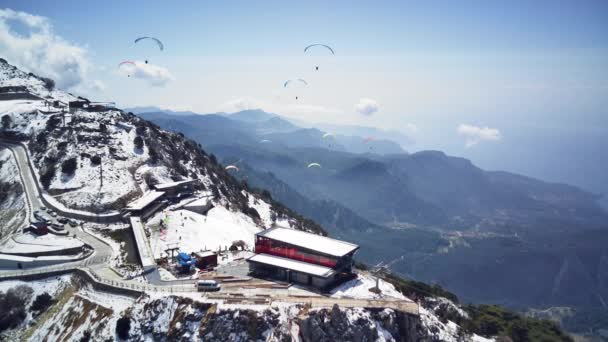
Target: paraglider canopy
{"x": 297, "y": 81}
{"x": 160, "y": 44}
{"x": 121, "y": 64}
{"x": 314, "y": 165}
{"x": 323, "y": 46}
{"x": 264, "y": 141}
{"x": 326, "y": 135}
{"x": 232, "y": 167}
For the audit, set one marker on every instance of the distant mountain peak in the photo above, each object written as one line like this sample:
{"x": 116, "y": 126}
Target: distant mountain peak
{"x": 252, "y": 115}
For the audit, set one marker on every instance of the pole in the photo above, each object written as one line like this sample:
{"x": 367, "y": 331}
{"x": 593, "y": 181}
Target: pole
{"x": 100, "y": 173}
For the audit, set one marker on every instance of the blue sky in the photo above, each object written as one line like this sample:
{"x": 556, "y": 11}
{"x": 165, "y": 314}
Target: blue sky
{"x": 536, "y": 72}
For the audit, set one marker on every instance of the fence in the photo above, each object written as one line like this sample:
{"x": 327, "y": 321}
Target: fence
{"x": 141, "y": 287}
{"x": 85, "y": 269}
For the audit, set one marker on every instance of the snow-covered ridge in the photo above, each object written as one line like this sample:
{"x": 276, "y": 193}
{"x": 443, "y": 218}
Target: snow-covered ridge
{"x": 11, "y": 76}
{"x": 82, "y": 310}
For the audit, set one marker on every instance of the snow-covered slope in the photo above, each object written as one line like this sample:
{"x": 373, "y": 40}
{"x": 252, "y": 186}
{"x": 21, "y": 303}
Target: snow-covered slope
{"x": 109, "y": 147}
{"x": 11, "y": 76}
{"x": 12, "y": 198}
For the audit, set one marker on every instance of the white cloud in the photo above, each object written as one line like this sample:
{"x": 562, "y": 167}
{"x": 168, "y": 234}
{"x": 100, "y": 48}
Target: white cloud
{"x": 178, "y": 108}
{"x": 243, "y": 103}
{"x": 474, "y": 134}
{"x": 153, "y": 74}
{"x": 40, "y": 50}
{"x": 98, "y": 86}
{"x": 366, "y": 106}
{"x": 411, "y": 128}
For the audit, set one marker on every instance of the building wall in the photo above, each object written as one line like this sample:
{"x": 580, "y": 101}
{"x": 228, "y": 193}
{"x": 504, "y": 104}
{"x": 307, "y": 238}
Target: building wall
{"x": 290, "y": 276}
{"x": 9, "y": 264}
{"x": 273, "y": 247}
{"x": 300, "y": 278}
{"x": 208, "y": 261}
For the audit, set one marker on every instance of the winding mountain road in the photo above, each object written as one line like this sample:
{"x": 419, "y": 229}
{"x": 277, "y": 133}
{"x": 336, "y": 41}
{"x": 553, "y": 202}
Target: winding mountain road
{"x": 102, "y": 250}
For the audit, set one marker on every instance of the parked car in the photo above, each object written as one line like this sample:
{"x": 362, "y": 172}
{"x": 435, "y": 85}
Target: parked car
{"x": 39, "y": 216}
{"x": 62, "y": 220}
{"x": 39, "y": 224}
{"x": 57, "y": 226}
{"x": 208, "y": 285}
{"x": 43, "y": 208}
{"x": 52, "y": 213}
{"x": 72, "y": 223}
{"x": 185, "y": 194}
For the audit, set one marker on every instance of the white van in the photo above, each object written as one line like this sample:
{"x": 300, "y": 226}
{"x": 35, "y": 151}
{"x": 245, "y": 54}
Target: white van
{"x": 208, "y": 285}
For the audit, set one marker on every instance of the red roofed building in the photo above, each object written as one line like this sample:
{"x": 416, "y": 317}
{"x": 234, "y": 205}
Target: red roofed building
{"x": 304, "y": 258}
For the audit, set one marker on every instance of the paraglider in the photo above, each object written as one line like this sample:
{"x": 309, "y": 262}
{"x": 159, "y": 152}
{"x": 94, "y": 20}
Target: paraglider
{"x": 327, "y": 136}
{"x": 126, "y": 63}
{"x": 295, "y": 82}
{"x": 160, "y": 44}
{"x": 367, "y": 140}
{"x": 314, "y": 165}
{"x": 156, "y": 40}
{"x": 264, "y": 141}
{"x": 232, "y": 167}
{"x": 319, "y": 46}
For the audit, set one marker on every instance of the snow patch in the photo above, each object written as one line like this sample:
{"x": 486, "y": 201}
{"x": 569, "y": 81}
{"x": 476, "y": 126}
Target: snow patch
{"x": 359, "y": 288}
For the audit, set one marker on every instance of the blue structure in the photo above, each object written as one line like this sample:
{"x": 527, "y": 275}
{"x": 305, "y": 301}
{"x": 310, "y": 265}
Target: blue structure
{"x": 185, "y": 261}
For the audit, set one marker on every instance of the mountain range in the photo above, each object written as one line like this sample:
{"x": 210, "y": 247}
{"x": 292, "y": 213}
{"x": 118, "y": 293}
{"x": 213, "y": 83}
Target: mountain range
{"x": 521, "y": 241}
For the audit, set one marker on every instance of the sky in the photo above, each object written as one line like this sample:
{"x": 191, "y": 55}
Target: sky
{"x": 513, "y": 85}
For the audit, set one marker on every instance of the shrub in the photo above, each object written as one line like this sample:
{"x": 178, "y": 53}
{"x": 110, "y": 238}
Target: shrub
{"x": 69, "y": 166}
{"x": 7, "y": 121}
{"x": 46, "y": 176}
{"x": 123, "y": 325}
{"x": 153, "y": 155}
{"x": 138, "y": 142}
{"x": 13, "y": 306}
{"x": 266, "y": 195}
{"x": 519, "y": 332}
{"x": 140, "y": 130}
{"x": 49, "y": 84}
{"x": 96, "y": 160}
{"x": 42, "y": 302}
{"x": 215, "y": 192}
{"x": 492, "y": 320}
{"x": 238, "y": 245}
{"x": 53, "y": 122}
{"x": 251, "y": 212}
{"x": 86, "y": 336}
